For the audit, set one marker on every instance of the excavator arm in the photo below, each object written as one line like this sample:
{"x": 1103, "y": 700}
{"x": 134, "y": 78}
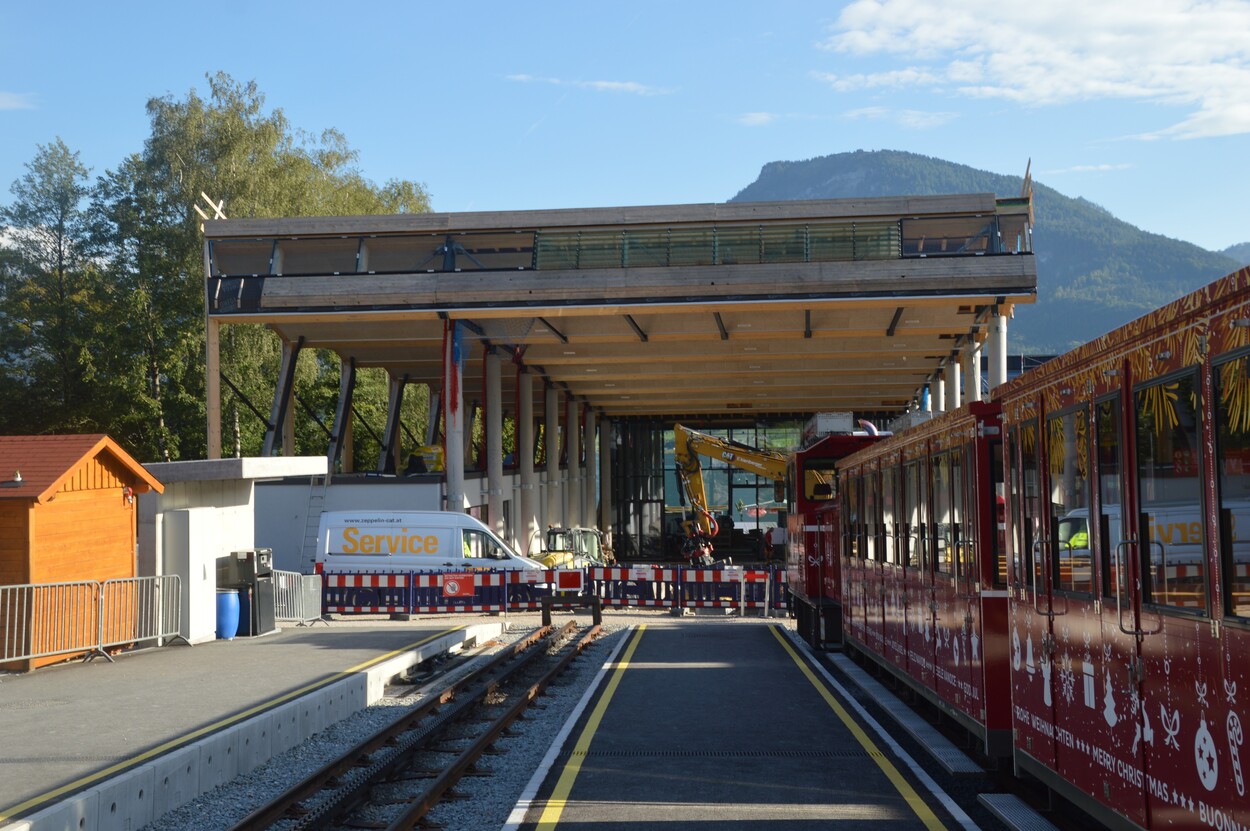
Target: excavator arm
{"x": 688, "y": 446}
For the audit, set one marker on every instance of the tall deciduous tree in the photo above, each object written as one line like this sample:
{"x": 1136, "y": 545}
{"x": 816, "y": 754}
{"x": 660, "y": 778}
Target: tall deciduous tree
{"x": 230, "y": 147}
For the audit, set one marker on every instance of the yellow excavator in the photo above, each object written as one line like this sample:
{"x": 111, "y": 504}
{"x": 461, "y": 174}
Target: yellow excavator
{"x": 688, "y": 446}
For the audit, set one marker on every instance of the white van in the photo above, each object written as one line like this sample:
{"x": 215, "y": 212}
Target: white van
{"x": 396, "y": 541}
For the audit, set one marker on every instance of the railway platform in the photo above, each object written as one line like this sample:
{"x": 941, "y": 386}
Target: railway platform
{"x": 158, "y": 727}
{"x": 723, "y": 726}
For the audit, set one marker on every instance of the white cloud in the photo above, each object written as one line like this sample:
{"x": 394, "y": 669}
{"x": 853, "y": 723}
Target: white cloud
{"x": 631, "y": 87}
{"x": 756, "y": 119}
{"x": 1192, "y": 53}
{"x": 16, "y": 101}
{"x": 912, "y": 119}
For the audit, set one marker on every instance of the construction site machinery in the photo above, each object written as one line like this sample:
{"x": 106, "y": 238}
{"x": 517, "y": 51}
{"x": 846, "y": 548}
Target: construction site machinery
{"x": 688, "y": 446}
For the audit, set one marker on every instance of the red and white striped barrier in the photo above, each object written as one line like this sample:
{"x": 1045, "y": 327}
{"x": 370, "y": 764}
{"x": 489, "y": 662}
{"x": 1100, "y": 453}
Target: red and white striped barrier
{"x": 365, "y": 593}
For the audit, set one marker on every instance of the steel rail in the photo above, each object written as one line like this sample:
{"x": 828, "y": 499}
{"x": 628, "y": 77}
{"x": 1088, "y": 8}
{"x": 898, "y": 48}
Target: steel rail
{"x": 286, "y": 804}
{"x": 415, "y": 813}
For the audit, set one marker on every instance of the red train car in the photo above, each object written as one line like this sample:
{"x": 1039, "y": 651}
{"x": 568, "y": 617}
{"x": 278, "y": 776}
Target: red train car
{"x": 1091, "y": 527}
{"x": 1128, "y": 474}
{"x": 924, "y": 590}
{"x": 813, "y": 566}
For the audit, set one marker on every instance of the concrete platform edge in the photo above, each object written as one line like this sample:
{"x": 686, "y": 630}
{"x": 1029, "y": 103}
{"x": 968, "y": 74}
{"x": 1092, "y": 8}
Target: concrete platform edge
{"x": 140, "y": 795}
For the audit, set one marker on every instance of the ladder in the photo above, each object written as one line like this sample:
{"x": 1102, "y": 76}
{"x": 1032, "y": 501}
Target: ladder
{"x": 317, "y": 486}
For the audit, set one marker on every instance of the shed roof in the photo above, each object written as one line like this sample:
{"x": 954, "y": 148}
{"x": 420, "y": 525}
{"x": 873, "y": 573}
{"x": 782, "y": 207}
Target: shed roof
{"x": 46, "y": 462}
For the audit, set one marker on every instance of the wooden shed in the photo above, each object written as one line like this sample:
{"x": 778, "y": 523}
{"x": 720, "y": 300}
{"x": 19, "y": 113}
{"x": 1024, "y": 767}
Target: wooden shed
{"x": 67, "y": 514}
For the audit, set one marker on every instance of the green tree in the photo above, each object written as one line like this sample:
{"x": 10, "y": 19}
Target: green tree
{"x": 229, "y": 146}
{"x": 51, "y": 325}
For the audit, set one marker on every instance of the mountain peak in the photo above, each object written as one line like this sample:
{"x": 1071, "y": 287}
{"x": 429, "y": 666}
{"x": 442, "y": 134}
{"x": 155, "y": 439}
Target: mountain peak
{"x": 1095, "y": 272}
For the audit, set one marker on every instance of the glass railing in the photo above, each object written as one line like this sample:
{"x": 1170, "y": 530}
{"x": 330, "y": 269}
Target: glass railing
{"x": 243, "y": 261}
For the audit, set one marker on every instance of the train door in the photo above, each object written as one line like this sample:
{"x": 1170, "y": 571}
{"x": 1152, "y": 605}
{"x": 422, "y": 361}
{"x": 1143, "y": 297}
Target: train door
{"x": 1071, "y": 652}
{"x": 893, "y": 584}
{"x": 1178, "y": 676}
{"x": 1032, "y": 714}
{"x": 1106, "y": 668}
{"x": 947, "y": 592}
{"x": 1231, "y": 717}
{"x": 872, "y": 564}
{"x": 917, "y": 574}
{"x": 989, "y": 662}
{"x": 851, "y": 555}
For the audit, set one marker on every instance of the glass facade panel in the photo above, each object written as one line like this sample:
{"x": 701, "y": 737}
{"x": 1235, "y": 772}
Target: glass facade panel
{"x": 240, "y": 257}
{"x": 317, "y": 256}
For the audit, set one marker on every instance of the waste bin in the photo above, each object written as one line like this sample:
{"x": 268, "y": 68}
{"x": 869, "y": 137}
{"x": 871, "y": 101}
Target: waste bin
{"x": 256, "y": 608}
{"x": 227, "y": 614}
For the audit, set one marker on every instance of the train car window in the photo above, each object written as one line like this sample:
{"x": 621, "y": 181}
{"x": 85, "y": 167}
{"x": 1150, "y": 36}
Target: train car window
{"x": 872, "y": 517}
{"x": 1232, "y": 415}
{"x": 1170, "y": 492}
{"x": 889, "y": 514}
{"x": 819, "y": 482}
{"x": 997, "y": 562}
{"x": 914, "y": 515}
{"x": 852, "y": 519}
{"x": 1025, "y": 512}
{"x": 1107, "y": 449}
{"x": 960, "y": 537}
{"x": 1067, "y": 452}
{"x": 943, "y": 514}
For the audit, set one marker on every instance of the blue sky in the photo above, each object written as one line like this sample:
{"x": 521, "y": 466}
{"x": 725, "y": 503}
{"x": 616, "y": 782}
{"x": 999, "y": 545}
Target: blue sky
{"x": 1142, "y": 106}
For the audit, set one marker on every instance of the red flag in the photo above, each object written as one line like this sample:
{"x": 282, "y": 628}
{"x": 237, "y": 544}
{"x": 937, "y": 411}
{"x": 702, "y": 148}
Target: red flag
{"x": 458, "y": 585}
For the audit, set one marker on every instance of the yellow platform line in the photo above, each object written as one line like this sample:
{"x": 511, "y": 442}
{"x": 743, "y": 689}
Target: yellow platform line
{"x": 560, "y": 795}
{"x": 909, "y": 794}
{"x": 35, "y": 801}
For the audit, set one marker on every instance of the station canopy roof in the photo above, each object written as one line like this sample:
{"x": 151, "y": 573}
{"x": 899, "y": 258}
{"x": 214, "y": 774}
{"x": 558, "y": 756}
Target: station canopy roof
{"x": 710, "y": 311}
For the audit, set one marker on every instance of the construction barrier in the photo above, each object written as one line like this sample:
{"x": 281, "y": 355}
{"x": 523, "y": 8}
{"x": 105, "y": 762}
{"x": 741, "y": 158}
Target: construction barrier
{"x": 297, "y": 597}
{"x": 728, "y": 587}
{"x": 40, "y": 621}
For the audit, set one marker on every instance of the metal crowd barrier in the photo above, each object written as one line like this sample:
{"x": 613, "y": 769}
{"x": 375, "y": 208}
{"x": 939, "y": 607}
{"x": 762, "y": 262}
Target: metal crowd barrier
{"x": 728, "y": 587}
{"x": 42, "y": 620}
{"x": 297, "y": 598}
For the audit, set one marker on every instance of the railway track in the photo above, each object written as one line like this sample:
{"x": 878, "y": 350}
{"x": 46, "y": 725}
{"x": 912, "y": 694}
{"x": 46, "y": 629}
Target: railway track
{"x": 392, "y": 779}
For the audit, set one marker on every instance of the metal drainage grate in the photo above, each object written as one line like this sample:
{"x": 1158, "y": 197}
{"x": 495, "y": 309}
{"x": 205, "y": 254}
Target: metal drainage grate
{"x": 725, "y": 754}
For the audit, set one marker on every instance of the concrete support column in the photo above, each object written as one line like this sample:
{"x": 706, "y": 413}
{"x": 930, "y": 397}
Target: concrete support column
{"x": 453, "y": 418}
{"x": 552, "y": 444}
{"x": 528, "y": 528}
{"x": 997, "y": 351}
{"x": 972, "y": 371}
{"x": 573, "y": 489}
{"x": 953, "y": 399}
{"x": 592, "y": 464}
{"x": 605, "y": 481}
{"x": 494, "y": 444}
{"x": 937, "y": 390}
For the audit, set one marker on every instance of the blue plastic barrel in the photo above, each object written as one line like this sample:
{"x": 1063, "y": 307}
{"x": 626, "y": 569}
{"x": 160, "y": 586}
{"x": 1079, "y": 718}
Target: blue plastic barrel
{"x": 227, "y": 614}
